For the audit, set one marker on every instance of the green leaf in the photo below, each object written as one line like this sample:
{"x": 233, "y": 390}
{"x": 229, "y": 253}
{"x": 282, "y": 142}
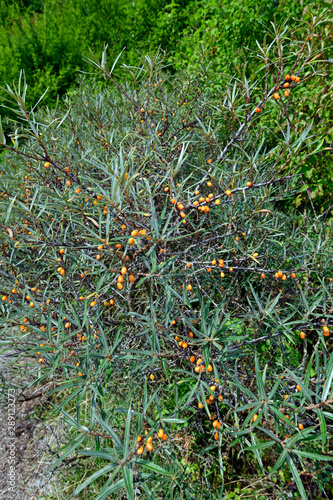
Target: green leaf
{"x": 260, "y": 383}
{"x": 261, "y": 446}
{"x": 70, "y": 447}
{"x": 92, "y": 478}
{"x": 154, "y": 467}
{"x": 297, "y": 478}
{"x": 313, "y": 456}
{"x": 127, "y": 430}
{"x": 119, "y": 485}
{"x": 329, "y": 378}
{"x": 128, "y": 480}
{"x": 112, "y": 433}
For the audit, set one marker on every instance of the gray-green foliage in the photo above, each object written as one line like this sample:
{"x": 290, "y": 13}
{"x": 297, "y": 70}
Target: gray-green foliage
{"x": 89, "y": 176}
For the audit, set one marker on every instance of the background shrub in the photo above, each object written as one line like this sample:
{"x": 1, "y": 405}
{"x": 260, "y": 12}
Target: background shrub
{"x": 48, "y": 39}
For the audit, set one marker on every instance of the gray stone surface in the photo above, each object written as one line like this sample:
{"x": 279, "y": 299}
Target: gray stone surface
{"x": 27, "y": 446}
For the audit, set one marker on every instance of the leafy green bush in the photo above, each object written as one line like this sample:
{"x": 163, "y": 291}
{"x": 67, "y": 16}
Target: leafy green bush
{"x": 160, "y": 286}
{"x": 48, "y": 39}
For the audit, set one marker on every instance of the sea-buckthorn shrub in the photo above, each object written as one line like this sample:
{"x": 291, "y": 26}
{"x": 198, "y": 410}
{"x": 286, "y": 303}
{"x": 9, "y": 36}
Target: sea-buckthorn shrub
{"x": 161, "y": 287}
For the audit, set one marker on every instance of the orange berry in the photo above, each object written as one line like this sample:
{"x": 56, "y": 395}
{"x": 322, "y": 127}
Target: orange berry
{"x": 131, "y": 278}
{"x": 248, "y": 184}
{"x": 93, "y": 303}
{"x": 68, "y": 183}
{"x": 78, "y": 191}
{"x": 143, "y": 232}
{"x": 298, "y": 388}
{"x": 217, "y": 424}
{"x": 326, "y": 331}
{"x": 192, "y": 359}
{"x": 287, "y": 77}
{"x": 286, "y": 93}
{"x": 293, "y": 78}
{"x": 209, "y": 161}
{"x": 262, "y": 276}
{"x": 254, "y": 418}
{"x": 190, "y": 334}
{"x": 152, "y": 376}
{"x": 80, "y": 374}
{"x": 124, "y": 270}
{"x": 98, "y": 257}
{"x": 120, "y": 286}
{"x": 47, "y": 164}
{"x": 293, "y": 275}
{"x": 216, "y": 436}
{"x": 189, "y": 287}
{"x": 131, "y": 241}
{"x": 200, "y": 405}
{"x": 301, "y": 426}
{"x": 276, "y": 96}
{"x": 228, "y": 192}
{"x": 258, "y": 110}
{"x": 302, "y": 335}
{"x": 286, "y": 85}
{"x": 210, "y": 369}
{"x": 140, "y": 450}
{"x": 217, "y": 202}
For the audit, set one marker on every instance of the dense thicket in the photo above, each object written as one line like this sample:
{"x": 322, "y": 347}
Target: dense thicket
{"x": 48, "y": 38}
{"x": 180, "y": 316}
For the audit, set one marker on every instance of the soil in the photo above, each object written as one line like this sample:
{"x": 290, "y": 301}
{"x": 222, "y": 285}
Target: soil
{"x": 27, "y": 443}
